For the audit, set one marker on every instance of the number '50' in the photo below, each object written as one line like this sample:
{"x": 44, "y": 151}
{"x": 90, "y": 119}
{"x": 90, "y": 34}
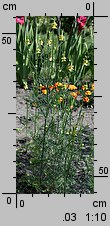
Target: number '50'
{"x": 6, "y": 40}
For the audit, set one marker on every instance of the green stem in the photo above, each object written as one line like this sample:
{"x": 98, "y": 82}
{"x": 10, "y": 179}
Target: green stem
{"x": 65, "y": 174}
{"x": 43, "y": 150}
{"x": 35, "y": 123}
{"x": 26, "y": 119}
{"x": 73, "y": 140}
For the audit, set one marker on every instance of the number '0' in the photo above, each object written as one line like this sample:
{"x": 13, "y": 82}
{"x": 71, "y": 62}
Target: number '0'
{"x": 8, "y": 200}
{"x": 87, "y": 6}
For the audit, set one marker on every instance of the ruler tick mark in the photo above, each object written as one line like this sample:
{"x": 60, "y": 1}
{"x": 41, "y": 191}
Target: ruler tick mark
{"x": 16, "y": 200}
{"x": 9, "y": 33}
{"x": 100, "y": 176}
{"x": 97, "y": 96}
{"x": 11, "y": 113}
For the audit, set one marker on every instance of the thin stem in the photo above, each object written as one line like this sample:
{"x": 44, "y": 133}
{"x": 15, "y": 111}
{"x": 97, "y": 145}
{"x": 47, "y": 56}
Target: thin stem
{"x": 65, "y": 174}
{"x": 43, "y": 146}
{"x": 35, "y": 121}
{"x": 43, "y": 150}
{"x": 27, "y": 119}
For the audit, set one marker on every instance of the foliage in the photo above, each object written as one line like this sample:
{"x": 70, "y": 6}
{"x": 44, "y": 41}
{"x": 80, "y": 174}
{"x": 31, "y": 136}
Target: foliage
{"x": 56, "y": 64}
{"x": 48, "y": 52}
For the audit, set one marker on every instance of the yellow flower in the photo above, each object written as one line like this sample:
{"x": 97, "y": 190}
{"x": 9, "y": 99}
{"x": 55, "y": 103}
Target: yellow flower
{"x": 86, "y": 99}
{"x": 73, "y": 94}
{"x": 38, "y": 50}
{"x": 65, "y": 86}
{"x": 88, "y": 93}
{"x": 84, "y": 87}
{"x": 58, "y": 84}
{"x": 60, "y": 100}
{"x": 92, "y": 87}
{"x": 78, "y": 92}
{"x": 44, "y": 91}
{"x": 54, "y": 25}
{"x": 34, "y": 104}
{"x": 70, "y": 68}
{"x": 72, "y": 87}
{"x": 28, "y": 41}
{"x": 41, "y": 43}
{"x": 85, "y": 62}
{"x": 42, "y": 87}
{"x": 63, "y": 59}
{"x": 49, "y": 42}
{"x": 61, "y": 37}
{"x": 25, "y": 85}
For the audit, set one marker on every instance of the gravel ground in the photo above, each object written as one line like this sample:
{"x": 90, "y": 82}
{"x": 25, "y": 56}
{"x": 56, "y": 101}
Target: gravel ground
{"x": 23, "y": 156}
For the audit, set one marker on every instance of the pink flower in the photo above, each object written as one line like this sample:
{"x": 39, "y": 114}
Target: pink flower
{"x": 20, "y": 20}
{"x": 81, "y": 22}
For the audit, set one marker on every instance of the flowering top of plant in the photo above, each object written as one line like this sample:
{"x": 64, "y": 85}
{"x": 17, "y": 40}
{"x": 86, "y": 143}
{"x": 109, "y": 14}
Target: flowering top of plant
{"x": 25, "y": 85}
{"x": 85, "y": 93}
{"x": 81, "y": 22}
{"x": 43, "y": 89}
{"x": 70, "y": 68}
{"x": 63, "y": 59}
{"x": 41, "y": 43}
{"x": 88, "y": 93}
{"x": 54, "y": 25}
{"x": 86, "y": 99}
{"x": 38, "y": 50}
{"x": 85, "y": 62}
{"x": 60, "y": 100}
{"x": 28, "y": 41}
{"x": 20, "y": 20}
{"x": 84, "y": 87}
{"x": 49, "y": 42}
{"x": 74, "y": 94}
{"x": 58, "y": 84}
{"x": 72, "y": 87}
{"x": 61, "y": 37}
{"x": 92, "y": 87}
